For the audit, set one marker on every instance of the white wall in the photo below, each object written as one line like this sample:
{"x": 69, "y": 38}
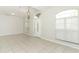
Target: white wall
{"x": 48, "y": 24}
{"x": 10, "y": 25}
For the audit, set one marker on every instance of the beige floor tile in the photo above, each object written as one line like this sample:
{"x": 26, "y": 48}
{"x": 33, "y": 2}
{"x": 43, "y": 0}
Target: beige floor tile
{"x": 26, "y": 44}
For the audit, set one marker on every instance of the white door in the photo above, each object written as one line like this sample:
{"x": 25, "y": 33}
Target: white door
{"x": 36, "y": 27}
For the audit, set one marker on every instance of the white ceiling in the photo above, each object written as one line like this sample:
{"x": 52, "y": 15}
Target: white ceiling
{"x": 20, "y": 11}
{"x": 9, "y": 10}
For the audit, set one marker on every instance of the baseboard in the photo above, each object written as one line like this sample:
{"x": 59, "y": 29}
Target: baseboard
{"x": 10, "y": 34}
{"x": 29, "y": 34}
{"x": 72, "y": 45}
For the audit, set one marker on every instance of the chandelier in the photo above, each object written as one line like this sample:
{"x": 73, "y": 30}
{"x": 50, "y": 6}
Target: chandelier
{"x": 28, "y": 13}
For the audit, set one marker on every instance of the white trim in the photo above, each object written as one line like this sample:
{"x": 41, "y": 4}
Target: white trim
{"x": 10, "y": 34}
{"x": 28, "y": 34}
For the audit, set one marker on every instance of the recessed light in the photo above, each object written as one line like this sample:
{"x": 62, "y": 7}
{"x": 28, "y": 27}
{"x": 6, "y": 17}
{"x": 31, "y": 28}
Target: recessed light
{"x": 12, "y": 13}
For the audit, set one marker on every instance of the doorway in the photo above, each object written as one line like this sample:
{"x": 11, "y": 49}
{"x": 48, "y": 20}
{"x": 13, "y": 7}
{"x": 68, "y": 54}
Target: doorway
{"x": 36, "y": 26}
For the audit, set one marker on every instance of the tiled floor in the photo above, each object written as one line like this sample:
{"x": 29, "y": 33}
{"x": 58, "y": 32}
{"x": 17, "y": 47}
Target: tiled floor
{"x": 23, "y": 43}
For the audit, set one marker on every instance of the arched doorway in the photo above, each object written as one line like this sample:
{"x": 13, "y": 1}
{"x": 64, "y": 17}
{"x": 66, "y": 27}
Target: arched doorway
{"x": 36, "y": 25}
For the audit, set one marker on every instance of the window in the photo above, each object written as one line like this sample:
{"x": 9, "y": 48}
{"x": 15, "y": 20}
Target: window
{"x": 67, "y": 19}
{"x": 60, "y": 23}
